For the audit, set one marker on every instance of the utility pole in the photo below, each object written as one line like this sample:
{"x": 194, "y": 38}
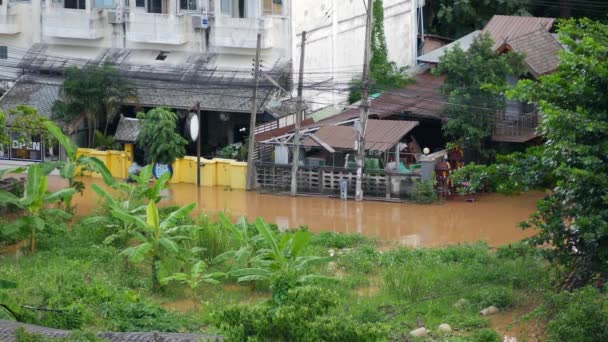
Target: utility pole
{"x": 254, "y": 112}
{"x": 299, "y": 111}
{"x": 364, "y": 105}
{"x": 198, "y": 146}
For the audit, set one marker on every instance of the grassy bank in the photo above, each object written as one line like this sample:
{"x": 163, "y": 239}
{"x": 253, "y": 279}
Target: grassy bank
{"x": 360, "y": 292}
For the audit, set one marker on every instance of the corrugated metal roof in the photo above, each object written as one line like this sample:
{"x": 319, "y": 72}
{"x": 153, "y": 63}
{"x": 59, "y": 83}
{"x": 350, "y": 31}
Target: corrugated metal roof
{"x": 381, "y": 135}
{"x": 422, "y": 98}
{"x": 506, "y": 27}
{"x": 37, "y": 91}
{"x": 541, "y": 50}
{"x": 464, "y": 43}
{"x": 127, "y": 130}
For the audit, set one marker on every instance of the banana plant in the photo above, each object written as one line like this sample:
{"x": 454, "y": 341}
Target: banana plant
{"x": 276, "y": 259}
{"x": 129, "y": 201}
{"x": 196, "y": 277}
{"x": 8, "y": 308}
{"x": 33, "y": 203}
{"x": 68, "y": 169}
{"x": 156, "y": 239}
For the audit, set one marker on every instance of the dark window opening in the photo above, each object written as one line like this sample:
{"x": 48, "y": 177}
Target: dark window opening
{"x": 156, "y": 6}
{"x": 3, "y": 52}
{"x": 186, "y": 5}
{"x": 75, "y": 4}
{"x": 140, "y": 3}
{"x": 162, "y": 56}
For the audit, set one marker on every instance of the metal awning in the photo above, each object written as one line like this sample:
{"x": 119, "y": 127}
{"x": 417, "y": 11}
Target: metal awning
{"x": 380, "y": 136}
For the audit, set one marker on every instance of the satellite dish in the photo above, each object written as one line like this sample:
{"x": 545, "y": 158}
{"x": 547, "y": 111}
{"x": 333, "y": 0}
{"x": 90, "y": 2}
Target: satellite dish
{"x": 194, "y": 127}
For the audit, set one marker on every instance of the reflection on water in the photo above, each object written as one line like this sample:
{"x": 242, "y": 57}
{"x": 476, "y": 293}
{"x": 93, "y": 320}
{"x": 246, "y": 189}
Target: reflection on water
{"x": 493, "y": 218}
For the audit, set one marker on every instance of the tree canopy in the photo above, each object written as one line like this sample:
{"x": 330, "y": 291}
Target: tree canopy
{"x": 29, "y": 124}
{"x": 159, "y": 138}
{"x": 92, "y": 94}
{"x": 475, "y": 80}
{"x": 574, "y": 107}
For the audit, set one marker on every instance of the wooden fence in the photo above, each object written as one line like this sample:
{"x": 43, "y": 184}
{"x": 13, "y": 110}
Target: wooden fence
{"x": 326, "y": 181}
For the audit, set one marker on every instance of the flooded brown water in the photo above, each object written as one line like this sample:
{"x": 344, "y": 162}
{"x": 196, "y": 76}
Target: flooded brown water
{"x": 493, "y": 218}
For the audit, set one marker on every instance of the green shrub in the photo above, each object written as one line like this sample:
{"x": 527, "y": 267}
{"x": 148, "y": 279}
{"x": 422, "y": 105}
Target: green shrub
{"x": 424, "y": 192}
{"x": 498, "y": 296}
{"x": 304, "y": 315}
{"x": 485, "y": 335}
{"x": 339, "y": 240}
{"x": 467, "y": 322}
{"x": 362, "y": 260}
{"x": 78, "y": 336}
{"x": 211, "y": 239}
{"x": 578, "y": 316}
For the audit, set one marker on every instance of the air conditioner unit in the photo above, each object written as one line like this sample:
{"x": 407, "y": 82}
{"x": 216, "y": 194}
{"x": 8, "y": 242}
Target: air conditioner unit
{"x": 200, "y": 21}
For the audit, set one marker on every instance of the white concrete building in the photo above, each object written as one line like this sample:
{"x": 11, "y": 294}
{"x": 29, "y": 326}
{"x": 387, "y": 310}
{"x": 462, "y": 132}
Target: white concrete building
{"x": 170, "y": 32}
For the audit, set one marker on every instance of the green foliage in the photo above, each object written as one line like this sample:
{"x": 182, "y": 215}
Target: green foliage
{"x": 474, "y": 83}
{"x": 68, "y": 168}
{"x": 499, "y": 296}
{"x": 195, "y": 277}
{"x": 236, "y": 151}
{"x": 510, "y": 174}
{"x": 573, "y": 218}
{"x": 451, "y": 19}
{"x": 485, "y": 335}
{"x": 339, "y": 240}
{"x": 157, "y": 239}
{"x": 159, "y": 138}
{"x": 30, "y": 125}
{"x": 34, "y": 202}
{"x": 576, "y": 316}
{"x": 104, "y": 142}
{"x": 209, "y": 240}
{"x": 384, "y": 74}
{"x": 425, "y": 193}
{"x": 281, "y": 260}
{"x": 92, "y": 94}
{"x": 4, "y": 138}
{"x": 8, "y": 308}
{"x": 305, "y": 315}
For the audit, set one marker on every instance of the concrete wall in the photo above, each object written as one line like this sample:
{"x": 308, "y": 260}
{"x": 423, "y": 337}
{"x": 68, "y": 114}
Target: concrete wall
{"x": 216, "y": 172}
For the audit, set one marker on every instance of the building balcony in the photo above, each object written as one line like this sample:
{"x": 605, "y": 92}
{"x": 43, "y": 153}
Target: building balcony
{"x": 242, "y": 32}
{"x": 155, "y": 28}
{"x": 73, "y": 23}
{"x": 8, "y": 20}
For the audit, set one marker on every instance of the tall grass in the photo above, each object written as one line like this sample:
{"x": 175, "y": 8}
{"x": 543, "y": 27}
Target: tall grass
{"x": 211, "y": 239}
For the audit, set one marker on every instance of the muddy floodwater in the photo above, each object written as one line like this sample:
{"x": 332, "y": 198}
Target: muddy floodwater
{"x": 492, "y": 218}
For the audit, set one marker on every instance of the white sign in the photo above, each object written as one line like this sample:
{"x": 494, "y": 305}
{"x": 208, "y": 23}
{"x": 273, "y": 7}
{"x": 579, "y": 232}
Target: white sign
{"x": 204, "y": 21}
{"x": 30, "y": 146}
{"x": 194, "y": 127}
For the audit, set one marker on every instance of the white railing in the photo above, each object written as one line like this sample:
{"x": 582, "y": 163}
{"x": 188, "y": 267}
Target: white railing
{"x": 158, "y": 28}
{"x": 8, "y": 20}
{"x": 73, "y": 23}
{"x": 242, "y": 32}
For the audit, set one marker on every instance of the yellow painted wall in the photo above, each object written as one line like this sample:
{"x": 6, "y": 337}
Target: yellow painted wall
{"x": 215, "y": 172}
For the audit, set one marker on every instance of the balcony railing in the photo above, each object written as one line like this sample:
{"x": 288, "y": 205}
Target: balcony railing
{"x": 522, "y": 129}
{"x": 242, "y": 32}
{"x": 158, "y": 28}
{"x": 8, "y": 21}
{"x": 73, "y": 23}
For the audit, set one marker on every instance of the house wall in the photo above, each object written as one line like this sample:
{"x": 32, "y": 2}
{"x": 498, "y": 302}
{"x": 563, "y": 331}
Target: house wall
{"x": 336, "y": 30}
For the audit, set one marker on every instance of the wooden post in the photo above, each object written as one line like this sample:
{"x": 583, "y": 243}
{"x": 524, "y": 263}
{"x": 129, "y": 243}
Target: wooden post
{"x": 254, "y": 111}
{"x": 364, "y": 108}
{"x": 299, "y": 110}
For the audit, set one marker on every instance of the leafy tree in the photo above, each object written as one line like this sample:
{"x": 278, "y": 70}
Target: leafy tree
{"x": 30, "y": 124}
{"x": 4, "y": 138}
{"x": 33, "y": 202}
{"x": 92, "y": 95}
{"x": 159, "y": 138}
{"x": 454, "y": 19}
{"x": 384, "y": 74}
{"x": 574, "y": 112}
{"x": 157, "y": 239}
{"x": 474, "y": 83}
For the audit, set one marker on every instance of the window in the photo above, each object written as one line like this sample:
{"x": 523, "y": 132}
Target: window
{"x": 75, "y": 4}
{"x": 273, "y": 7}
{"x": 104, "y": 3}
{"x": 157, "y": 6}
{"x": 140, "y": 3}
{"x": 162, "y": 56}
{"x": 239, "y": 8}
{"x": 187, "y": 5}
{"x": 3, "y": 52}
